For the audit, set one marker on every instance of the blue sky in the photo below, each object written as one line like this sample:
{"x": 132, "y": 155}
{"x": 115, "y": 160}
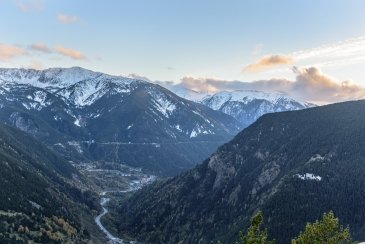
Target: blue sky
{"x": 168, "y": 40}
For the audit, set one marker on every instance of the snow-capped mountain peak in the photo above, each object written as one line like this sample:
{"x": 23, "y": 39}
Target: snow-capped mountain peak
{"x": 246, "y": 96}
{"x": 103, "y": 117}
{"x": 77, "y": 85}
{"x": 248, "y": 105}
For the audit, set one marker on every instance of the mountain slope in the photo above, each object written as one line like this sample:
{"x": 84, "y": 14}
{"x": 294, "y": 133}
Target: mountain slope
{"x": 39, "y": 200}
{"x": 247, "y": 106}
{"x": 93, "y": 116}
{"x": 292, "y": 165}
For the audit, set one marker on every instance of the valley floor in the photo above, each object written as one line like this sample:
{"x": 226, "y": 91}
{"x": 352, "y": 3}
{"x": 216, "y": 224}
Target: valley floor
{"x": 113, "y": 183}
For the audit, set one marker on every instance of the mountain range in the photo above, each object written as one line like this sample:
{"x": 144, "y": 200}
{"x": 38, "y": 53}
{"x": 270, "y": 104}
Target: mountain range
{"x": 247, "y": 106}
{"x": 87, "y": 115}
{"x": 293, "y": 166}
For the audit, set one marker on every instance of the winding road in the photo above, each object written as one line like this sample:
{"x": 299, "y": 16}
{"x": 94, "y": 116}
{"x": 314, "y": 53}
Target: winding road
{"x": 104, "y": 200}
{"x": 112, "y": 239}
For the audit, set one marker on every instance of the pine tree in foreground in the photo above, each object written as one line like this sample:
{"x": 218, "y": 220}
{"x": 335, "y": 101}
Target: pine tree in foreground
{"x": 254, "y": 233}
{"x": 326, "y": 231}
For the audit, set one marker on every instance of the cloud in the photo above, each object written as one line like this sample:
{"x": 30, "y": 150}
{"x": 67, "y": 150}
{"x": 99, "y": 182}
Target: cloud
{"x": 268, "y": 62}
{"x": 67, "y": 19}
{"x": 71, "y": 53}
{"x": 337, "y": 54}
{"x": 8, "y": 52}
{"x": 310, "y": 84}
{"x": 29, "y": 5}
{"x": 35, "y": 65}
{"x": 40, "y": 47}
{"x": 349, "y": 49}
{"x": 211, "y": 85}
{"x": 138, "y": 77}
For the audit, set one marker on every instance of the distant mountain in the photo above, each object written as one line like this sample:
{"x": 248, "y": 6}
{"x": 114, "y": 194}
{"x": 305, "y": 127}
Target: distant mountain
{"x": 93, "y": 116}
{"x": 291, "y": 165}
{"x": 247, "y": 106}
{"x": 187, "y": 93}
{"x": 39, "y": 199}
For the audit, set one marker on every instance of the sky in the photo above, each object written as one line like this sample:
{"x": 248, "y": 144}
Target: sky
{"x": 195, "y": 42}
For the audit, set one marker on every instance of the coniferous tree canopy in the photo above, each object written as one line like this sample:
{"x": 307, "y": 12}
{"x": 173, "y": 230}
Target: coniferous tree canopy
{"x": 326, "y": 231}
{"x": 255, "y": 235}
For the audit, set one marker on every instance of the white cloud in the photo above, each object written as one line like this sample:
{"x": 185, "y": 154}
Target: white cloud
{"x": 344, "y": 50}
{"x": 67, "y": 19}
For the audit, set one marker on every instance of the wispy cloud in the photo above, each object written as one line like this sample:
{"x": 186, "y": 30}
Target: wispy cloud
{"x": 29, "y": 5}
{"x": 71, "y": 53}
{"x": 40, "y": 47}
{"x": 8, "y": 52}
{"x": 268, "y": 62}
{"x": 67, "y": 19}
{"x": 340, "y": 49}
{"x": 343, "y": 53}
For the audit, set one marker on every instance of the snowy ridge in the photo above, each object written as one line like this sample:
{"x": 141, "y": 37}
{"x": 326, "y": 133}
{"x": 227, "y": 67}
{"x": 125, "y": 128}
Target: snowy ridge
{"x": 189, "y": 94}
{"x": 245, "y": 96}
{"x": 86, "y": 95}
{"x": 76, "y": 85}
{"x": 247, "y": 106}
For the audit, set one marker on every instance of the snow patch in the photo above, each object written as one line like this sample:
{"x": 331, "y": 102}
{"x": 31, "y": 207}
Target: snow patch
{"x": 316, "y": 158}
{"x": 193, "y": 134}
{"x": 178, "y": 128}
{"x": 163, "y": 104}
{"x": 198, "y": 129}
{"x": 309, "y": 176}
{"x": 38, "y": 101}
{"x": 77, "y": 122}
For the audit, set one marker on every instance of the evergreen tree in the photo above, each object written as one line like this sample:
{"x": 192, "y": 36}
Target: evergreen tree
{"x": 254, "y": 234}
{"x": 326, "y": 231}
